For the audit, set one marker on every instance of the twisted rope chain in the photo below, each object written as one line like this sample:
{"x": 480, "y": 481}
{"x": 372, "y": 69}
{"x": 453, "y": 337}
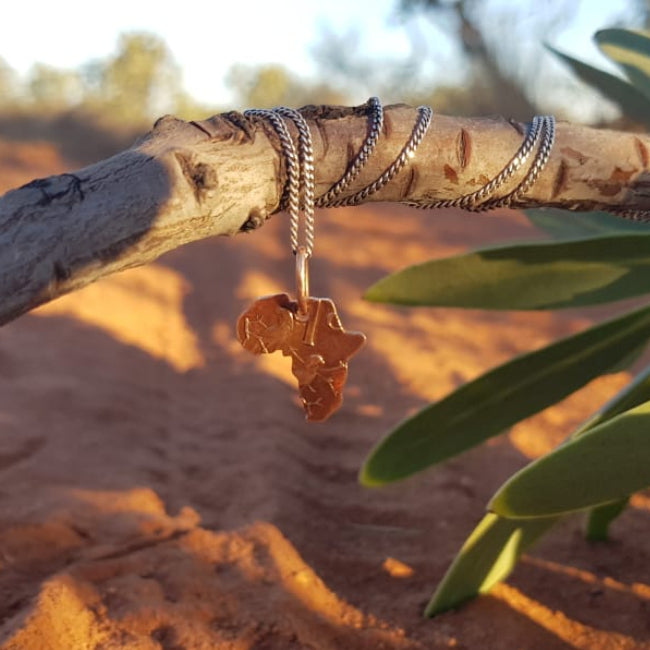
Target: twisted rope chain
{"x": 634, "y": 215}
{"x": 300, "y": 167}
{"x": 299, "y": 190}
{"x": 408, "y": 151}
{"x": 293, "y": 169}
{"x": 306, "y": 159}
{"x": 542, "y": 127}
{"x": 468, "y": 201}
{"x": 301, "y": 182}
{"x": 547, "y": 135}
{"x": 376, "y": 124}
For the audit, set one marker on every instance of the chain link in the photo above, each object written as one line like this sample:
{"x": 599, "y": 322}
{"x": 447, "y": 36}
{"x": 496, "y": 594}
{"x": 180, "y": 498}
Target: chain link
{"x": 293, "y": 171}
{"x": 547, "y": 135}
{"x": 301, "y": 181}
{"x": 300, "y": 166}
{"x": 300, "y": 171}
{"x": 306, "y": 159}
{"x": 376, "y": 124}
{"x": 633, "y": 215}
{"x": 425, "y": 113}
{"x": 479, "y": 200}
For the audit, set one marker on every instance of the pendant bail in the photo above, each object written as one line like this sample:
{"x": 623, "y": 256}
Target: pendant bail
{"x": 302, "y": 281}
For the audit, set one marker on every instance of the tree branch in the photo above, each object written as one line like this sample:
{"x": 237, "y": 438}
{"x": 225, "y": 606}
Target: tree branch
{"x": 187, "y": 181}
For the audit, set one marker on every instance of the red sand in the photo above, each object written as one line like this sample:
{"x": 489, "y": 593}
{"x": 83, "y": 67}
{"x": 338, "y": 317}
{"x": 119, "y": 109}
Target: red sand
{"x": 161, "y": 490}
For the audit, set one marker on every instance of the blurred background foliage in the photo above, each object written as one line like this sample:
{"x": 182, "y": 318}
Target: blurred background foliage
{"x": 494, "y": 47}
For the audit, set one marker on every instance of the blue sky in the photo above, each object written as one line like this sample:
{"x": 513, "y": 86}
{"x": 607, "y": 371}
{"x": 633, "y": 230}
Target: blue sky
{"x": 207, "y": 38}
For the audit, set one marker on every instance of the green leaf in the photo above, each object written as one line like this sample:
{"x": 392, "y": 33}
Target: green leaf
{"x": 631, "y": 51}
{"x": 631, "y": 100}
{"x": 605, "y": 464}
{"x": 634, "y": 394}
{"x": 487, "y": 557}
{"x": 496, "y": 544}
{"x": 498, "y": 399}
{"x": 600, "y": 519}
{"x": 539, "y": 275}
{"x": 562, "y": 224}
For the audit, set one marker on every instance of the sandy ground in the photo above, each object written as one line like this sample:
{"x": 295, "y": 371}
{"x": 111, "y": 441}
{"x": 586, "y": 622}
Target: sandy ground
{"x": 159, "y": 488}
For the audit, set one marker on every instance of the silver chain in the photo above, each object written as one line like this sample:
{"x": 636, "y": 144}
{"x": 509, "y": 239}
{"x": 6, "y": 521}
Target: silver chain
{"x": 468, "y": 201}
{"x": 633, "y": 215}
{"x": 293, "y": 170}
{"x": 300, "y": 189}
{"x": 547, "y": 135}
{"x": 300, "y": 167}
{"x": 368, "y": 146}
{"x": 306, "y": 159}
{"x": 300, "y": 171}
{"x": 541, "y": 127}
{"x": 408, "y": 150}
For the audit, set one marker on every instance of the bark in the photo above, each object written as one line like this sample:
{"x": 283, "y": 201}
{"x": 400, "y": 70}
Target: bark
{"x": 187, "y": 181}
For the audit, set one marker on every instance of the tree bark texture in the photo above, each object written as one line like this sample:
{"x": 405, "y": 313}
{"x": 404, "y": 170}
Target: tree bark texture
{"x": 185, "y": 181}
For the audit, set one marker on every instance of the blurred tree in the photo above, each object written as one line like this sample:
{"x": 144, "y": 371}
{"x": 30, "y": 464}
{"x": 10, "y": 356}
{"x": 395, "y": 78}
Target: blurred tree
{"x": 273, "y": 85}
{"x": 480, "y": 85}
{"x": 53, "y": 88}
{"x": 505, "y": 72}
{"x": 262, "y": 87}
{"x": 10, "y": 89}
{"x": 342, "y": 60}
{"x": 470, "y": 57}
{"x": 187, "y": 108}
{"x": 138, "y": 83}
{"x": 642, "y": 10}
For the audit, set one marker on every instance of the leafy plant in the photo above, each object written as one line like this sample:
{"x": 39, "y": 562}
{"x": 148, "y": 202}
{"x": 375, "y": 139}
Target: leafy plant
{"x": 592, "y": 259}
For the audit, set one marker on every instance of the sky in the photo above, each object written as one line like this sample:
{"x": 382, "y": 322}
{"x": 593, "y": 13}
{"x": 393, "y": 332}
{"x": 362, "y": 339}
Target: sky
{"x": 207, "y": 38}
